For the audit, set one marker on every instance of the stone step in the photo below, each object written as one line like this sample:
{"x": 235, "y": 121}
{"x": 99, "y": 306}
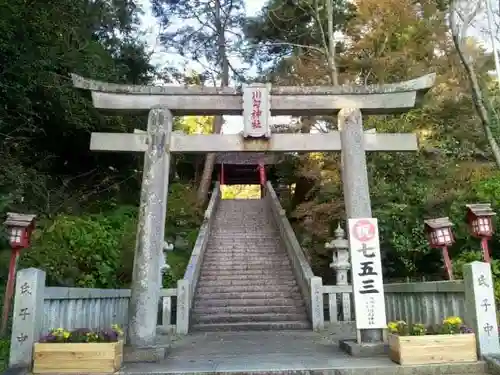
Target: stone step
{"x": 251, "y": 326}
{"x": 266, "y": 273}
{"x": 245, "y": 278}
{"x": 210, "y": 290}
{"x": 267, "y": 245}
{"x": 238, "y": 250}
{"x": 237, "y": 280}
{"x": 239, "y": 224}
{"x": 263, "y": 309}
{"x": 254, "y": 302}
{"x": 249, "y": 272}
{"x": 243, "y": 318}
{"x": 242, "y": 223}
{"x": 229, "y": 242}
{"x": 215, "y": 282}
{"x": 246, "y": 267}
{"x": 258, "y": 234}
{"x": 243, "y": 256}
{"x": 245, "y": 263}
{"x": 248, "y": 295}
{"x": 240, "y": 258}
{"x": 247, "y": 255}
{"x": 246, "y": 247}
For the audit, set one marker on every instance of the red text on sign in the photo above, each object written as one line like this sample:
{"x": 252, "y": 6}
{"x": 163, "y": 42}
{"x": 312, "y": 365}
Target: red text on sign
{"x": 364, "y": 230}
{"x": 256, "y": 111}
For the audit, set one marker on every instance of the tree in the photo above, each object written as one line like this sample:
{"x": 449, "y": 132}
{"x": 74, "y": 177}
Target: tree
{"x": 288, "y": 32}
{"x": 461, "y": 16}
{"x": 208, "y": 42}
{"x": 386, "y": 42}
{"x": 44, "y": 121}
{"x": 299, "y": 37}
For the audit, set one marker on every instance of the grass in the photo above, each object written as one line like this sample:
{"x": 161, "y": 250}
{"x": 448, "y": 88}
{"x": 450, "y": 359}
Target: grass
{"x": 4, "y": 353}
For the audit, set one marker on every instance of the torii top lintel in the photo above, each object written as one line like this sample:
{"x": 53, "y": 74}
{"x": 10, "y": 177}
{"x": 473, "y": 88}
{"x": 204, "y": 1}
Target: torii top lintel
{"x": 285, "y": 100}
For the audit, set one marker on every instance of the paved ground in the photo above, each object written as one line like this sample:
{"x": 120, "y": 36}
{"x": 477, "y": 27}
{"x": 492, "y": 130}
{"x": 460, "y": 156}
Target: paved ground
{"x": 251, "y": 351}
{"x": 289, "y": 351}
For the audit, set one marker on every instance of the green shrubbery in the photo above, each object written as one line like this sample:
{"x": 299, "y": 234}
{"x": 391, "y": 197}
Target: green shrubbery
{"x": 97, "y": 250}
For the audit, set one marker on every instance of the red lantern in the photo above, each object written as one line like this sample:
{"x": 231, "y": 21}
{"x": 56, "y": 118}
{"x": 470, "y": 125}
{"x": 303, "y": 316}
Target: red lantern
{"x": 19, "y": 229}
{"x": 441, "y": 236}
{"x": 480, "y": 219}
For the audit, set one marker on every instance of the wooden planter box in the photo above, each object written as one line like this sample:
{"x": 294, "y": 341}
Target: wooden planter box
{"x": 101, "y": 358}
{"x": 418, "y": 350}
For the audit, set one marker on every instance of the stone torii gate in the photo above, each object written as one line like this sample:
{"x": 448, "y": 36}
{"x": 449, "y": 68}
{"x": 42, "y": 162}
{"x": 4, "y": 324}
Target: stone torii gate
{"x": 256, "y": 103}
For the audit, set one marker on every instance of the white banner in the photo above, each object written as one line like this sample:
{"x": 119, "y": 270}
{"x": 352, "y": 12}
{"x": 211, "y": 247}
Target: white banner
{"x": 256, "y": 110}
{"x": 367, "y": 280}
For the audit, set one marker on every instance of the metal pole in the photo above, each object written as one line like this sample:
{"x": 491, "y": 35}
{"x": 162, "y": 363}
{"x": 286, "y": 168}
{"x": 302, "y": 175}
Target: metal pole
{"x": 486, "y": 250}
{"x": 9, "y": 290}
{"x": 447, "y": 263}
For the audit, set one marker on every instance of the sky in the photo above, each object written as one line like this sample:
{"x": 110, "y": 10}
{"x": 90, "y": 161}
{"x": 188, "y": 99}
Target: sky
{"x": 233, "y": 124}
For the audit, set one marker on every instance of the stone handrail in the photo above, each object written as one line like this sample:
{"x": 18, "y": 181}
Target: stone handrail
{"x": 310, "y": 285}
{"x": 187, "y": 286}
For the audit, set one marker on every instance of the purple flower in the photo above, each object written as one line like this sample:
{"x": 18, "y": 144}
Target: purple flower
{"x": 465, "y": 329}
{"x": 108, "y": 335}
{"x": 49, "y": 337}
{"x": 81, "y": 335}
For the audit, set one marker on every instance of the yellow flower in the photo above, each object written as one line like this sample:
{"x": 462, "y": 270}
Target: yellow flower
{"x": 453, "y": 320}
{"x": 66, "y": 334}
{"x": 395, "y": 326}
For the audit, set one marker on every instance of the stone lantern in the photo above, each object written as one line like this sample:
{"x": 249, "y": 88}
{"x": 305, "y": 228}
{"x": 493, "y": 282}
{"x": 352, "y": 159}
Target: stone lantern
{"x": 164, "y": 266}
{"x": 340, "y": 257}
{"x": 341, "y": 265}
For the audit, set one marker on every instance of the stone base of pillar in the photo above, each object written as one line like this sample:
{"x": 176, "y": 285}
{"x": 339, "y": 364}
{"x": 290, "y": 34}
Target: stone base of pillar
{"x": 351, "y": 347}
{"x": 144, "y": 354}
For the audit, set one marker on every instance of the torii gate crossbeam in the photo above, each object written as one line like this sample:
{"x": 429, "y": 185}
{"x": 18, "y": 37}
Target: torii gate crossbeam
{"x": 296, "y": 101}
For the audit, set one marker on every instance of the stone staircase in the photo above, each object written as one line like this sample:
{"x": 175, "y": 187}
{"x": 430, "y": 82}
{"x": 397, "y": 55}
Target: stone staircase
{"x": 246, "y": 280}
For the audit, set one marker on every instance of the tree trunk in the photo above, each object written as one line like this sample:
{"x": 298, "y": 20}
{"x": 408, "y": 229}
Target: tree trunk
{"x": 206, "y": 179}
{"x": 208, "y": 169}
{"x": 332, "y": 64}
{"x": 303, "y": 185}
{"x": 477, "y": 95}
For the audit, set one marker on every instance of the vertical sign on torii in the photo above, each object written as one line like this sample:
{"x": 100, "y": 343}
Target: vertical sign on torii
{"x": 349, "y": 102}
{"x": 256, "y": 110}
